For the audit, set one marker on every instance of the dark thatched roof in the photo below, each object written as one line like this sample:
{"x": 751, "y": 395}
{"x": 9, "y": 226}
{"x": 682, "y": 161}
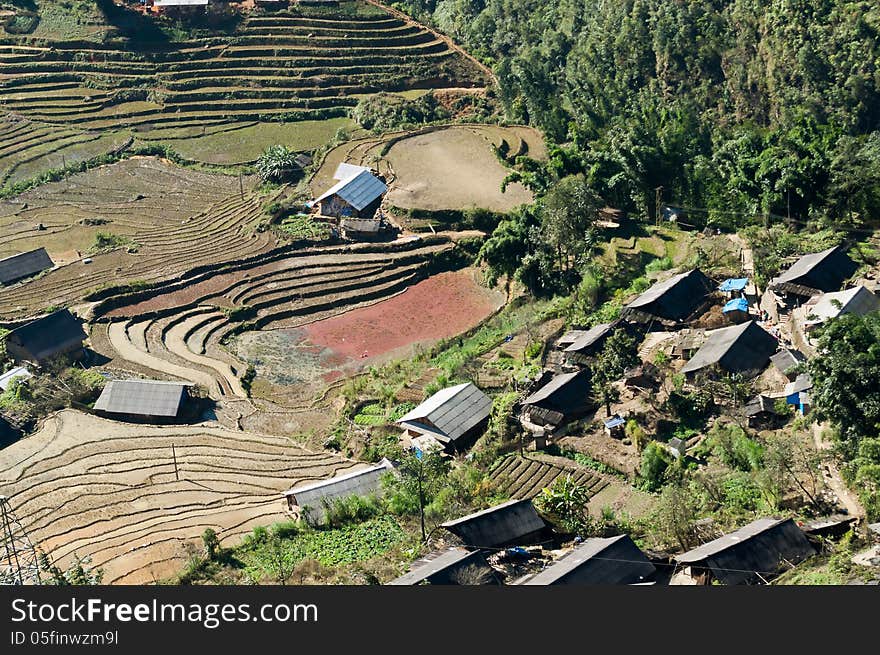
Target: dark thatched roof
{"x": 502, "y": 525}
{"x": 448, "y": 567}
{"x": 745, "y": 348}
{"x": 674, "y": 299}
{"x": 823, "y": 271}
{"x": 613, "y": 560}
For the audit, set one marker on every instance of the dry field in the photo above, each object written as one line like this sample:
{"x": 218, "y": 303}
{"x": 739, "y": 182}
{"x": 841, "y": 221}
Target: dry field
{"x": 95, "y": 487}
{"x": 448, "y": 168}
{"x": 178, "y": 218}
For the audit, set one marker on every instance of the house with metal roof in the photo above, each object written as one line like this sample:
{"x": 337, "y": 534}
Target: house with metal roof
{"x": 360, "y": 229}
{"x": 752, "y": 554}
{"x": 153, "y": 401}
{"x": 452, "y": 566}
{"x": 345, "y": 170}
{"x": 310, "y": 500}
{"x": 743, "y": 349}
{"x": 561, "y": 399}
{"x": 600, "y": 561}
{"x": 815, "y": 273}
{"x": 17, "y": 373}
{"x": 54, "y": 335}
{"x": 760, "y": 411}
{"x": 671, "y": 301}
{"x": 515, "y": 522}
{"x": 589, "y": 342}
{"x": 818, "y": 310}
{"x": 452, "y": 418}
{"x": 24, "y": 265}
{"x": 797, "y": 393}
{"x": 786, "y": 360}
{"x": 736, "y": 310}
{"x": 357, "y": 196}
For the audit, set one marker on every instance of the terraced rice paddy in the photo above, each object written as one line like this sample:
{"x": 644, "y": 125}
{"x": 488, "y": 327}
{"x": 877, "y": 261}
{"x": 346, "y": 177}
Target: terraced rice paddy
{"x": 178, "y": 219}
{"x": 95, "y": 487}
{"x": 180, "y": 333}
{"x": 282, "y": 66}
{"x": 523, "y": 477}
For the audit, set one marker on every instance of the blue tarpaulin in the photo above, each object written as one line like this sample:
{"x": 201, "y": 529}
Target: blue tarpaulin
{"x": 736, "y": 305}
{"x": 734, "y": 284}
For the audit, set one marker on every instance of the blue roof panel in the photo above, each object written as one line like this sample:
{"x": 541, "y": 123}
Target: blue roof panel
{"x": 736, "y": 305}
{"x": 734, "y": 284}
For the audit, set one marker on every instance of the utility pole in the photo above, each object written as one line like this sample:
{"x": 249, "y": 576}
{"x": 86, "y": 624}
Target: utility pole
{"x": 174, "y": 457}
{"x": 658, "y": 198}
{"x": 18, "y": 557}
{"x": 240, "y": 186}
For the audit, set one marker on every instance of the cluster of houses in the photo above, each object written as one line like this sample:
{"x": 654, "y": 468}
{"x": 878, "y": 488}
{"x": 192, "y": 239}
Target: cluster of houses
{"x": 36, "y": 344}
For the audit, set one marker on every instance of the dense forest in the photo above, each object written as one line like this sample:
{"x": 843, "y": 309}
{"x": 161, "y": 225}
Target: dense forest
{"x": 740, "y": 109}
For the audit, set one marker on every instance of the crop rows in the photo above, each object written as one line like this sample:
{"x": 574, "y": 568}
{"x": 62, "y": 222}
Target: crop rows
{"x": 521, "y": 477}
{"x": 113, "y": 492}
{"x": 285, "y": 67}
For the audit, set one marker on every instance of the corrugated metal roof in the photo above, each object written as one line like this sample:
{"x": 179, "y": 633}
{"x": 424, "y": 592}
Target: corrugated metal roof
{"x": 49, "y": 335}
{"x": 345, "y": 171}
{"x": 729, "y": 540}
{"x": 802, "y": 382}
{"x": 360, "y": 224}
{"x": 24, "y": 265}
{"x": 614, "y": 421}
{"x": 497, "y": 526}
{"x": 12, "y": 374}
{"x": 451, "y": 412}
{"x": 570, "y": 337}
{"x": 142, "y": 397}
{"x": 439, "y": 564}
{"x": 588, "y": 338}
{"x": 817, "y": 271}
{"x": 611, "y": 560}
{"x": 803, "y": 266}
{"x": 557, "y": 383}
{"x": 673, "y": 299}
{"x": 358, "y": 191}
{"x": 787, "y": 358}
{"x": 180, "y": 3}
{"x": 737, "y": 349}
{"x": 858, "y": 300}
{"x": 312, "y": 497}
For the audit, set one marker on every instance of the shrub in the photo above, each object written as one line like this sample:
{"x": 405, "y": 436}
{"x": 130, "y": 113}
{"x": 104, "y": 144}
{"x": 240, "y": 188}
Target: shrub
{"x": 276, "y": 164}
{"x": 655, "y": 461}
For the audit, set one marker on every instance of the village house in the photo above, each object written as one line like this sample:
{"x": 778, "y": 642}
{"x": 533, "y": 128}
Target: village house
{"x": 562, "y": 399}
{"x": 515, "y": 522}
{"x": 644, "y": 376}
{"x": 815, "y": 273}
{"x": 672, "y": 301}
{"x": 309, "y": 501}
{"x": 820, "y": 309}
{"x": 752, "y": 554}
{"x": 743, "y": 349}
{"x": 760, "y": 411}
{"x": 736, "y": 310}
{"x": 588, "y": 343}
{"x": 178, "y": 8}
{"x": 451, "y": 419}
{"x": 677, "y": 447}
{"x": 360, "y": 229}
{"x": 734, "y": 287}
{"x": 142, "y": 401}
{"x": 358, "y": 195}
{"x": 601, "y": 561}
{"x": 24, "y": 265}
{"x": 786, "y": 360}
{"x": 54, "y": 335}
{"x": 614, "y": 426}
{"x": 452, "y": 566}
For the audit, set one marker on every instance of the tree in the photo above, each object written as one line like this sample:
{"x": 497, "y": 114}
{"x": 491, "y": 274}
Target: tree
{"x": 675, "y": 514}
{"x": 80, "y": 571}
{"x": 211, "y": 542}
{"x": 565, "y": 503}
{"x": 276, "y": 163}
{"x": 618, "y": 354}
{"x": 417, "y": 481}
{"x": 846, "y": 377}
{"x": 568, "y": 217}
{"x": 278, "y": 558}
{"x": 655, "y": 461}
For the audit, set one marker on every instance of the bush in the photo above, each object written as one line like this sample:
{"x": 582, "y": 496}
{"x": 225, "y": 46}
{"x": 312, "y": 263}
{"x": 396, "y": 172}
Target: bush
{"x": 277, "y": 164}
{"x": 655, "y": 461}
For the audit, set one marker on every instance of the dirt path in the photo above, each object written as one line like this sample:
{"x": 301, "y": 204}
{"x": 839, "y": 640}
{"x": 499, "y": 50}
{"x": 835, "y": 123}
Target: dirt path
{"x": 831, "y": 475}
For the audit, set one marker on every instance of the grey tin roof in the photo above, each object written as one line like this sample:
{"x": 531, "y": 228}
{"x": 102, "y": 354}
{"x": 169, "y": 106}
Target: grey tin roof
{"x": 142, "y": 397}
{"x": 440, "y": 564}
{"x": 312, "y": 496}
{"x": 744, "y": 534}
{"x": 449, "y": 413}
{"x": 358, "y": 191}
{"x": 13, "y": 374}
{"x": 737, "y": 349}
{"x": 588, "y": 338}
{"x": 49, "y": 335}
{"x": 611, "y": 560}
{"x": 558, "y": 382}
{"x": 24, "y": 265}
{"x": 787, "y": 358}
{"x": 497, "y": 526}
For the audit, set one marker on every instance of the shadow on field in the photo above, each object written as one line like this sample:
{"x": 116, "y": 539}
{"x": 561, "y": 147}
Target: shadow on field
{"x": 141, "y": 30}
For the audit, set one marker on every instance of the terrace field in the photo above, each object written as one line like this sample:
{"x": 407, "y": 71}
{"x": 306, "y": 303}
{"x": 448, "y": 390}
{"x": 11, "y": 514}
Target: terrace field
{"x": 167, "y": 219}
{"x": 290, "y": 66}
{"x": 108, "y": 490}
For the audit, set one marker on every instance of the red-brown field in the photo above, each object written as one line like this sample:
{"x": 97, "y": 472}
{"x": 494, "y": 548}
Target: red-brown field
{"x": 438, "y": 308}
{"x": 320, "y": 352}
